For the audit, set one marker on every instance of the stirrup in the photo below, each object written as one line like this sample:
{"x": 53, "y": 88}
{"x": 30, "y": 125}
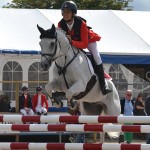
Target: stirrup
{"x": 106, "y": 90}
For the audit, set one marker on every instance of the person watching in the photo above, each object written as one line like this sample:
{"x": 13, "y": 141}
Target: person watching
{"x": 25, "y": 104}
{"x": 39, "y": 102}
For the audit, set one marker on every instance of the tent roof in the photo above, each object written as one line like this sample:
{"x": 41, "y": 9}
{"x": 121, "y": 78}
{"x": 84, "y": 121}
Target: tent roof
{"x": 19, "y": 33}
{"x": 125, "y": 34}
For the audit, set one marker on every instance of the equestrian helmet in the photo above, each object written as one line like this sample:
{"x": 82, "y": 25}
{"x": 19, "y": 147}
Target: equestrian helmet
{"x": 25, "y": 88}
{"x": 69, "y": 5}
{"x": 39, "y": 88}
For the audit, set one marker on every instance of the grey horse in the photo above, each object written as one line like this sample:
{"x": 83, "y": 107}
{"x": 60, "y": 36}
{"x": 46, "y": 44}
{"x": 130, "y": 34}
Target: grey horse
{"x": 71, "y": 72}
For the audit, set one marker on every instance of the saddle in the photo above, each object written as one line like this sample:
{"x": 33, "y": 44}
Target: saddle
{"x": 91, "y": 58}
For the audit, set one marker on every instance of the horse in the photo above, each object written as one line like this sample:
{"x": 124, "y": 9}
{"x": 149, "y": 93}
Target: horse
{"x": 72, "y": 73}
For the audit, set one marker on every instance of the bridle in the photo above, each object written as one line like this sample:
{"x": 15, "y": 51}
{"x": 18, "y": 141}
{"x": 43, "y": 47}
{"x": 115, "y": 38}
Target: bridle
{"x": 48, "y": 56}
{"x": 51, "y": 57}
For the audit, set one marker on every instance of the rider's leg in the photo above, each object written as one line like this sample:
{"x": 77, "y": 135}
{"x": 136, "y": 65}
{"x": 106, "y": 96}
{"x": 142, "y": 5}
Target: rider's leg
{"x": 38, "y": 110}
{"x": 92, "y": 47}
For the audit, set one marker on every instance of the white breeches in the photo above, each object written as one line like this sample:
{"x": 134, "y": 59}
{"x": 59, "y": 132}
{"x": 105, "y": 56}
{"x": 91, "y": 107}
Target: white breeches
{"x": 41, "y": 110}
{"x": 25, "y": 113}
{"x": 92, "y": 47}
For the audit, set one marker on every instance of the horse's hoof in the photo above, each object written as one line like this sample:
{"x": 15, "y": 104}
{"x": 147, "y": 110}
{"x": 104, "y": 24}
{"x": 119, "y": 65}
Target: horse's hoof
{"x": 72, "y": 105}
{"x": 57, "y": 104}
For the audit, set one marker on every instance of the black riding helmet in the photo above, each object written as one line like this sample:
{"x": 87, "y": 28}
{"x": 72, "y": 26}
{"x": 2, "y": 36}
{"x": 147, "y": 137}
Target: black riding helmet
{"x": 39, "y": 88}
{"x": 25, "y": 88}
{"x": 69, "y": 5}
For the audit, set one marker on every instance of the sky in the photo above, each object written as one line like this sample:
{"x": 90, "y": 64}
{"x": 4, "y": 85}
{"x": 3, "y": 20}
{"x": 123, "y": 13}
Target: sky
{"x": 4, "y": 2}
{"x": 138, "y": 5}
{"x": 141, "y": 5}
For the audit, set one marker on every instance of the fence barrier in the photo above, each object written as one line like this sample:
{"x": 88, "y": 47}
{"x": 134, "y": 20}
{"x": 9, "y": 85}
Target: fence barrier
{"x": 87, "y": 124}
{"x": 72, "y": 146}
{"x": 74, "y": 128}
{"x": 75, "y": 119}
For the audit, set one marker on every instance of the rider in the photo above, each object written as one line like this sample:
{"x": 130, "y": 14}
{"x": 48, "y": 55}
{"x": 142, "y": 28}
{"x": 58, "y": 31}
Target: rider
{"x": 80, "y": 36}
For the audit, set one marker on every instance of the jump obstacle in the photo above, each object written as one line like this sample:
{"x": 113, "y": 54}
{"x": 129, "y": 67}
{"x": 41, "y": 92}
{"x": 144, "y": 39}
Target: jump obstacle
{"x": 88, "y": 127}
{"x": 75, "y": 119}
{"x": 74, "y": 128}
{"x": 72, "y": 146}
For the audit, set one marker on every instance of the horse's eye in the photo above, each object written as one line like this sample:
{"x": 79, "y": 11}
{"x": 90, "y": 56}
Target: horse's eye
{"x": 52, "y": 44}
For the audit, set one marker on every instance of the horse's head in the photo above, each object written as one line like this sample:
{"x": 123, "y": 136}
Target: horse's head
{"x": 48, "y": 45}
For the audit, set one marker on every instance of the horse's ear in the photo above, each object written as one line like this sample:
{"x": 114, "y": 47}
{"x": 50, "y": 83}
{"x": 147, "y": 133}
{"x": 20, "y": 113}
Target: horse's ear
{"x": 50, "y": 33}
{"x": 53, "y": 29}
{"x": 40, "y": 29}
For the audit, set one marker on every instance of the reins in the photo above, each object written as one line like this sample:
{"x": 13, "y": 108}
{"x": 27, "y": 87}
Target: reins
{"x": 62, "y": 70}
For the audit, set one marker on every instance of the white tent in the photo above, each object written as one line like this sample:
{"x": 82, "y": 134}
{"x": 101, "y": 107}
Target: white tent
{"x": 125, "y": 40}
{"x": 18, "y": 29}
{"x": 125, "y": 35}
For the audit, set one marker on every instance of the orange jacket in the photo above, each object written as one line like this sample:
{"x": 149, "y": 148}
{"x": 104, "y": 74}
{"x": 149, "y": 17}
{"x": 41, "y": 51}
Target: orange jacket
{"x": 43, "y": 101}
{"x": 86, "y": 35}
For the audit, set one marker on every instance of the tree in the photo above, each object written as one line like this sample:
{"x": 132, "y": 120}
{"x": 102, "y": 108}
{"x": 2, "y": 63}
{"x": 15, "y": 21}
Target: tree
{"x": 82, "y": 4}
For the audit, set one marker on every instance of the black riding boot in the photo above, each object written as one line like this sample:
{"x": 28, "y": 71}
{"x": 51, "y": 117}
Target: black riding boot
{"x": 100, "y": 73}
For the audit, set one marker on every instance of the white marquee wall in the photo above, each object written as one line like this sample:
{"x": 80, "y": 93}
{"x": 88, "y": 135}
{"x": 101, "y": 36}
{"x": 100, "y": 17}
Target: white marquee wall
{"x": 27, "y": 60}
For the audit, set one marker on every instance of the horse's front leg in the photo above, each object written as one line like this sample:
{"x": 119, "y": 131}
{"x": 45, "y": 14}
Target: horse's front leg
{"x": 50, "y": 88}
{"x": 75, "y": 89}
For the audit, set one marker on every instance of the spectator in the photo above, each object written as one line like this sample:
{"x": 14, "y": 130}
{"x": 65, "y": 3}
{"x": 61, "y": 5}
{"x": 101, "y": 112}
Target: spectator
{"x": 127, "y": 110}
{"x": 139, "y": 106}
{"x": 25, "y": 104}
{"x": 39, "y": 101}
{"x": 139, "y": 110}
{"x": 147, "y": 109}
{"x": 4, "y": 102}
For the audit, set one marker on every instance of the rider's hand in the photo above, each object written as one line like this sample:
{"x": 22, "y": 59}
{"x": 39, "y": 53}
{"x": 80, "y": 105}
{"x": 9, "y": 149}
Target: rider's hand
{"x": 69, "y": 38}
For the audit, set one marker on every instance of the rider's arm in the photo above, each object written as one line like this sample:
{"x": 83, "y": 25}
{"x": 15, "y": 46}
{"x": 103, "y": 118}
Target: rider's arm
{"x": 93, "y": 36}
{"x": 84, "y": 37}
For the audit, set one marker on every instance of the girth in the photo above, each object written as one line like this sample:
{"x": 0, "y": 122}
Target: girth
{"x": 89, "y": 86}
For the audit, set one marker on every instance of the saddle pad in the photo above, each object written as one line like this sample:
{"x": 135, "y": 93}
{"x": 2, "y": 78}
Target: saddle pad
{"x": 106, "y": 75}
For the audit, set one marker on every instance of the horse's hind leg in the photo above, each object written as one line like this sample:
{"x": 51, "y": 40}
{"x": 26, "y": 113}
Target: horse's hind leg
{"x": 93, "y": 109}
{"x": 112, "y": 101}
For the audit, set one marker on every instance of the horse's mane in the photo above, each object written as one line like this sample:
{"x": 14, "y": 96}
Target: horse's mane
{"x": 61, "y": 31}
